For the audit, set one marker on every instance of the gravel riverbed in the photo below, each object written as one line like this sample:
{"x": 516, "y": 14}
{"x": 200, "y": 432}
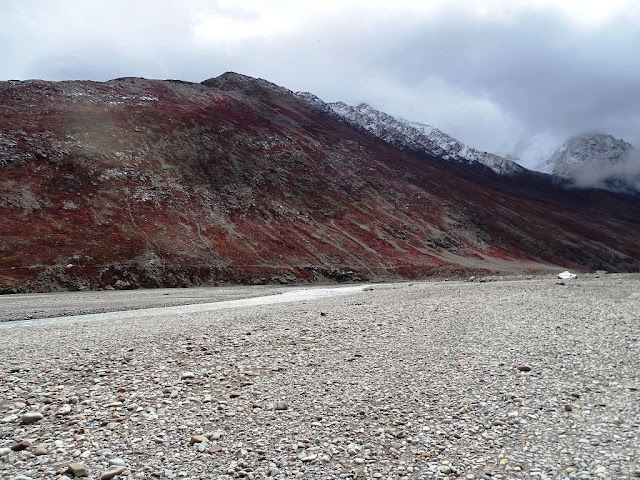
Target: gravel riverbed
{"x": 475, "y": 380}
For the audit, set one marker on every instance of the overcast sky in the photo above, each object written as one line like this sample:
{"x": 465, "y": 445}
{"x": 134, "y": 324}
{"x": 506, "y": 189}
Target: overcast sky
{"x": 507, "y": 76}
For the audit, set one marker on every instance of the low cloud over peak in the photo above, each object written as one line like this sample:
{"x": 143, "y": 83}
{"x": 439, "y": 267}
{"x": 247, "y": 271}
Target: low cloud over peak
{"x": 503, "y": 76}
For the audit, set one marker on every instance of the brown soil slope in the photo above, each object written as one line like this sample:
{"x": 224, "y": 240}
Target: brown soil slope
{"x": 136, "y": 182}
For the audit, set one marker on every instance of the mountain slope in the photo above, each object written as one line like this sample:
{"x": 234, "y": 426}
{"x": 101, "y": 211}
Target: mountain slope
{"x": 414, "y": 135}
{"x": 598, "y": 160}
{"x": 136, "y": 182}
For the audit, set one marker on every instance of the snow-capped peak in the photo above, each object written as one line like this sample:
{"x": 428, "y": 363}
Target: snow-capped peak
{"x": 598, "y": 160}
{"x": 586, "y": 151}
{"x": 413, "y": 135}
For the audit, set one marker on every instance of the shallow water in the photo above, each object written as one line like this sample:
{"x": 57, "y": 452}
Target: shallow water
{"x": 290, "y": 296}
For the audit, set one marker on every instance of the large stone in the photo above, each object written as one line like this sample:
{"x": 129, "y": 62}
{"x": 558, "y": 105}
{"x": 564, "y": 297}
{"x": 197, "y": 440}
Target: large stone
{"x": 21, "y": 445}
{"x": 42, "y": 449}
{"x": 77, "y": 470}
{"x": 112, "y": 472}
{"x": 198, "y": 439}
{"x": 214, "y": 448}
{"x": 64, "y": 410}
{"x": 31, "y": 417}
{"x": 217, "y": 435}
{"x": 567, "y": 275}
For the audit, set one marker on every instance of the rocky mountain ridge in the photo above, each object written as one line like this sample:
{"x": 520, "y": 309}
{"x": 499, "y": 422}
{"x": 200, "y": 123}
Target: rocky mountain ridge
{"x": 591, "y": 160}
{"x": 414, "y": 135}
{"x": 145, "y": 183}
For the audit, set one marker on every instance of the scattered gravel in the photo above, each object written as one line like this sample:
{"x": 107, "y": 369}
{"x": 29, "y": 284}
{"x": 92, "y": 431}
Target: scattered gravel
{"x": 422, "y": 380}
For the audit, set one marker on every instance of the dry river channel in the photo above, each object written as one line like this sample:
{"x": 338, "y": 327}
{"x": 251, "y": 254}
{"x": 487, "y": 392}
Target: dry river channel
{"x": 503, "y": 378}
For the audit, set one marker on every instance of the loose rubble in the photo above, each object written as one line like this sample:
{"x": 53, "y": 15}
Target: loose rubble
{"x": 416, "y": 381}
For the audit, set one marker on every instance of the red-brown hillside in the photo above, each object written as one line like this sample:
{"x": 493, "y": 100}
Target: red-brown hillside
{"x": 136, "y": 182}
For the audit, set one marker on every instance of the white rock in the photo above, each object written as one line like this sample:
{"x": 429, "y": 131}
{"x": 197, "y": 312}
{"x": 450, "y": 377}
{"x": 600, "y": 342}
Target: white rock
{"x": 64, "y": 410}
{"x": 566, "y": 275}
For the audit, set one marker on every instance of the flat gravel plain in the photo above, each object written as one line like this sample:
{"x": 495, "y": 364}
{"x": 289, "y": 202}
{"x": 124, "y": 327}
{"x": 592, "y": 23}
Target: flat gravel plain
{"x": 527, "y": 378}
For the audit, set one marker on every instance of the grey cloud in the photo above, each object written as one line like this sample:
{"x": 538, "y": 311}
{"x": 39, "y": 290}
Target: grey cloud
{"x": 552, "y": 78}
{"x": 497, "y": 84}
{"x": 548, "y": 75}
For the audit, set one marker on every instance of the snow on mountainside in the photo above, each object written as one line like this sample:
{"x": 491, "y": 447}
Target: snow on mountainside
{"x": 414, "y": 135}
{"x": 598, "y": 160}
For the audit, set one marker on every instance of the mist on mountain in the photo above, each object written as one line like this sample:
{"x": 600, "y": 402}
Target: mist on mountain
{"x": 598, "y": 160}
{"x": 624, "y": 174}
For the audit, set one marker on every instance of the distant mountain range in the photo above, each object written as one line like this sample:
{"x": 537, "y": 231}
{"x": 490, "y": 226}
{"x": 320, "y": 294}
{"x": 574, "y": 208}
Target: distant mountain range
{"x": 590, "y": 160}
{"x": 145, "y": 183}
